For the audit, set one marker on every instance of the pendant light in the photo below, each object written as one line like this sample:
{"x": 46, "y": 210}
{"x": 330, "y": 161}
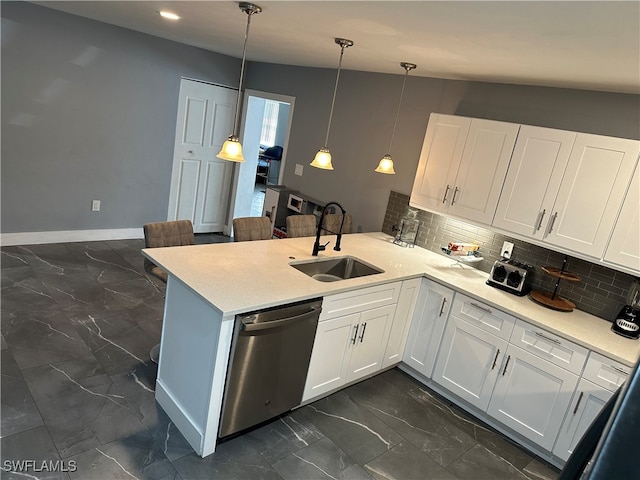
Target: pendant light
{"x": 232, "y": 148}
{"x": 386, "y": 163}
{"x": 323, "y": 157}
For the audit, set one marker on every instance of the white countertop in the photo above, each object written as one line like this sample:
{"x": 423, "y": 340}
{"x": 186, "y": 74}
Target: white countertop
{"x": 240, "y": 277}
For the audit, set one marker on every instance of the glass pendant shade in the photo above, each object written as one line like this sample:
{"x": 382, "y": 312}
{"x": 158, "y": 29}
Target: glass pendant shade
{"x": 231, "y": 150}
{"x": 322, "y": 159}
{"x": 386, "y": 165}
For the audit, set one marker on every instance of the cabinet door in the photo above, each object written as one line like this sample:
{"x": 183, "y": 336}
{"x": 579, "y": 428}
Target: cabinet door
{"x": 624, "y": 246}
{"x": 329, "y": 363}
{"x": 533, "y": 178}
{"x": 482, "y": 170}
{"x": 370, "y": 343}
{"x": 427, "y": 326}
{"x": 468, "y": 361}
{"x": 441, "y": 153}
{"x": 401, "y": 318}
{"x": 531, "y": 396}
{"x": 591, "y": 193}
{"x": 588, "y": 401}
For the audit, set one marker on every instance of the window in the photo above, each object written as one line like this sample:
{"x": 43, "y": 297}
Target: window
{"x": 269, "y": 123}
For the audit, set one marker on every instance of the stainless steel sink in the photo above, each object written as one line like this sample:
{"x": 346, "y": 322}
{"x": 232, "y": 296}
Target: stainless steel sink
{"x": 335, "y": 269}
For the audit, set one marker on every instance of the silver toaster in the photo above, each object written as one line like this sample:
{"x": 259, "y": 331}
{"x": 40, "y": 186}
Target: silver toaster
{"x": 511, "y": 276}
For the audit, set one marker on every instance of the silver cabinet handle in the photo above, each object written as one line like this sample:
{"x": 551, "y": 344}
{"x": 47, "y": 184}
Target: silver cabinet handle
{"x": 444, "y": 302}
{"x": 364, "y": 327}
{"x": 190, "y": 151}
{"x": 355, "y": 335}
{"x": 455, "y": 192}
{"x": 540, "y": 217}
{"x": 495, "y": 360}
{"x": 446, "y": 192}
{"x": 578, "y": 403}
{"x": 480, "y": 307}
{"x": 505, "y": 365}
{"x": 552, "y": 220}
{"x": 619, "y": 370}
{"x": 542, "y": 335}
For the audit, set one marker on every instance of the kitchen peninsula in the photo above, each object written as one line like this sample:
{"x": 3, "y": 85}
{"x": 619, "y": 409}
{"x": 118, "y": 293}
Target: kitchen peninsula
{"x": 209, "y": 285}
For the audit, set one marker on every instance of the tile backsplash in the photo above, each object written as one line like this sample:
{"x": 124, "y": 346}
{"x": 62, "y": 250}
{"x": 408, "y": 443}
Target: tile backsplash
{"x": 601, "y": 292}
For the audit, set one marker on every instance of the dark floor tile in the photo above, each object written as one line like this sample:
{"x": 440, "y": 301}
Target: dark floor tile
{"x": 103, "y": 263}
{"x": 495, "y": 442}
{"x": 19, "y": 412}
{"x": 3, "y": 342}
{"x": 352, "y": 427}
{"x": 22, "y": 290}
{"x": 285, "y": 435}
{"x": 80, "y": 405}
{"x": 404, "y": 461}
{"x": 137, "y": 292}
{"x": 422, "y": 424}
{"x": 320, "y": 460}
{"x": 134, "y": 456}
{"x": 32, "y": 445}
{"x": 41, "y": 337}
{"x": 480, "y": 464}
{"x": 234, "y": 459}
{"x": 540, "y": 470}
{"x": 51, "y": 259}
{"x": 11, "y": 257}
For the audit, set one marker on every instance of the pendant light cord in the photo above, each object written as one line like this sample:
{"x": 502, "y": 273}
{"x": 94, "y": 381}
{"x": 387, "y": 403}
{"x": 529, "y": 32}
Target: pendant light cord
{"x": 244, "y": 54}
{"x": 395, "y": 124}
{"x": 335, "y": 90}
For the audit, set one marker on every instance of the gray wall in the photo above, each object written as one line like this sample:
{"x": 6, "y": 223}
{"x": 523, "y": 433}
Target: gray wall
{"x": 89, "y": 110}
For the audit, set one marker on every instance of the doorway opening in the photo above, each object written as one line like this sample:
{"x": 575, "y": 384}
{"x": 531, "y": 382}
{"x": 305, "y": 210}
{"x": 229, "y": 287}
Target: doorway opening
{"x": 265, "y": 136}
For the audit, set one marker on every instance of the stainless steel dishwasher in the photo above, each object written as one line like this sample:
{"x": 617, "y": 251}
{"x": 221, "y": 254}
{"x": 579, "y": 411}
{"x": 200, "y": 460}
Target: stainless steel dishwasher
{"x": 268, "y": 366}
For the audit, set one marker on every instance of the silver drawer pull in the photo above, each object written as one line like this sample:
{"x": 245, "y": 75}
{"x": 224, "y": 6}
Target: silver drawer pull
{"x": 619, "y": 370}
{"x": 455, "y": 192}
{"x": 480, "y": 307}
{"x": 444, "y": 302}
{"x": 446, "y": 192}
{"x": 578, "y": 403}
{"x": 552, "y": 220}
{"x": 541, "y": 216}
{"x": 505, "y": 365}
{"x": 364, "y": 327}
{"x": 495, "y": 360}
{"x": 355, "y": 335}
{"x": 542, "y": 335}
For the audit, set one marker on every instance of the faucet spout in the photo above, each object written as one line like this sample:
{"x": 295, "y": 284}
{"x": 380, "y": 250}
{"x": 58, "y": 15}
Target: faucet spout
{"x": 316, "y": 245}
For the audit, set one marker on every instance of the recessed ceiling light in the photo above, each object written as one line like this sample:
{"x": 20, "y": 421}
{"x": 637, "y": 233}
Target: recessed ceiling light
{"x": 168, "y": 15}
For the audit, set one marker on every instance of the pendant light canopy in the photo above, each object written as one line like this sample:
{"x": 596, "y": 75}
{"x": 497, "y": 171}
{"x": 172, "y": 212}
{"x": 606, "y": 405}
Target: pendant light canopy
{"x": 323, "y": 157}
{"x": 386, "y": 163}
{"x": 232, "y": 148}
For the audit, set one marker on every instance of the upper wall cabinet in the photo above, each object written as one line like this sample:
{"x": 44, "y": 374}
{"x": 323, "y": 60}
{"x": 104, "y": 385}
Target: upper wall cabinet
{"x": 566, "y": 188}
{"x": 462, "y": 166}
{"x": 624, "y": 246}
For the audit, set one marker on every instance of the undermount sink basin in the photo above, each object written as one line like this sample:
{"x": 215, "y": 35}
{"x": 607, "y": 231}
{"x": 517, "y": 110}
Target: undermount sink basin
{"x": 335, "y": 269}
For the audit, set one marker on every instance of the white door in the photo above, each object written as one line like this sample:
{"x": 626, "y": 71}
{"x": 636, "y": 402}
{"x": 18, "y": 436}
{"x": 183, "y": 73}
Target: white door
{"x": 469, "y": 361}
{"x": 531, "y": 396}
{"x": 200, "y": 182}
{"x": 427, "y": 326}
{"x": 371, "y": 342}
{"x": 591, "y": 192}
{"x": 539, "y": 159}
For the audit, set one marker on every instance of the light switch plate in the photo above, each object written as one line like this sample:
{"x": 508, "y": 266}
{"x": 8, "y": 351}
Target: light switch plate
{"x": 299, "y": 169}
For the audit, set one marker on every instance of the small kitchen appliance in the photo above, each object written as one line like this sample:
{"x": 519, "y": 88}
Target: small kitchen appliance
{"x": 511, "y": 276}
{"x": 627, "y": 322}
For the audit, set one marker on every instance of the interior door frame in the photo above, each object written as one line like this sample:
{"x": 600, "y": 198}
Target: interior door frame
{"x": 236, "y": 173}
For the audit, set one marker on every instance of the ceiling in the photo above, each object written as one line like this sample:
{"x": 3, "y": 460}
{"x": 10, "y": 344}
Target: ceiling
{"x": 576, "y": 44}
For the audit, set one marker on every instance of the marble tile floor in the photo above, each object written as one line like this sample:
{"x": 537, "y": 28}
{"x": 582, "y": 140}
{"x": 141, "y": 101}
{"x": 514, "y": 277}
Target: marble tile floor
{"x": 78, "y": 321}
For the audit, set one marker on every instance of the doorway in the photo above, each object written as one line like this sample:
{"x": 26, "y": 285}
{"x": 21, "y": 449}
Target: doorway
{"x": 267, "y": 124}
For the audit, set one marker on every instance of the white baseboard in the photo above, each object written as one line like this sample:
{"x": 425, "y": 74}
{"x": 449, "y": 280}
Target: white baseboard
{"x": 33, "y": 238}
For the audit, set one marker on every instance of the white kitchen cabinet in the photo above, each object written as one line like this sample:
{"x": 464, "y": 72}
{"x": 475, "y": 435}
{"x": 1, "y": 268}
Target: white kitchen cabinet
{"x": 462, "y": 166}
{"x": 591, "y": 193}
{"x": 624, "y": 246}
{"x": 351, "y": 338}
{"x": 401, "y": 321}
{"x": 472, "y": 350}
{"x": 539, "y": 159}
{"x": 427, "y": 326}
{"x": 600, "y": 379}
{"x": 531, "y": 396}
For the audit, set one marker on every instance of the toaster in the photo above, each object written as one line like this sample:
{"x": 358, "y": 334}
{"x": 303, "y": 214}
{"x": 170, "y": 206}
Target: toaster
{"x": 511, "y": 276}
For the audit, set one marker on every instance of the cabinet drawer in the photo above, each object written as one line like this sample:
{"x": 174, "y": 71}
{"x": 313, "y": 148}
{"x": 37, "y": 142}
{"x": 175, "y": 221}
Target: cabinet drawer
{"x": 605, "y": 372}
{"x": 359, "y": 300}
{"x": 483, "y": 316}
{"x": 549, "y": 346}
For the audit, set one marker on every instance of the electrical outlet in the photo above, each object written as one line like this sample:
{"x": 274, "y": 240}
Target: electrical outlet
{"x": 299, "y": 169}
{"x": 507, "y": 249}
{"x": 95, "y": 206}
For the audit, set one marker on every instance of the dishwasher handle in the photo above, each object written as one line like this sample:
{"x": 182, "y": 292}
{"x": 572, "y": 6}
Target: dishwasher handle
{"x": 253, "y": 327}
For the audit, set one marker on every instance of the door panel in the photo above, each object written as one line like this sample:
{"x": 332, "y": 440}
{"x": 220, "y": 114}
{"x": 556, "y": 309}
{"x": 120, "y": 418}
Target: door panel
{"x": 189, "y": 179}
{"x": 216, "y": 191}
{"x": 371, "y": 342}
{"x": 194, "y": 121}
